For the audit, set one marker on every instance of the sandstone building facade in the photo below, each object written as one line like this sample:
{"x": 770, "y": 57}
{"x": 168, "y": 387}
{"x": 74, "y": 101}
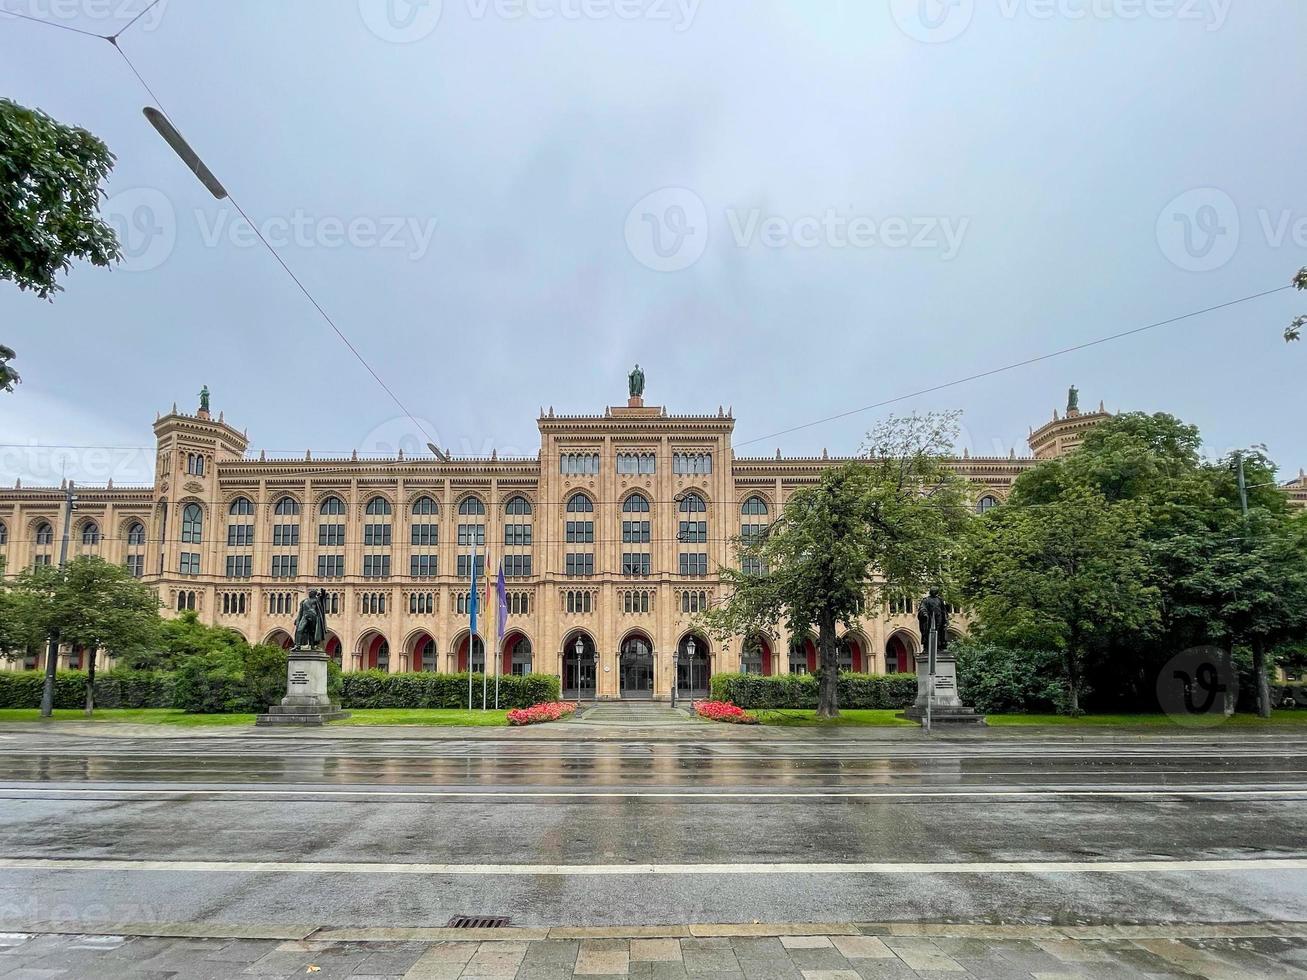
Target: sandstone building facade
{"x": 610, "y": 539}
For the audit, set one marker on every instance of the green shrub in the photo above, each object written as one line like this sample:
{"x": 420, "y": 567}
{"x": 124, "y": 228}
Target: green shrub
{"x": 884, "y": 691}
{"x": 1000, "y": 680}
{"x": 245, "y": 679}
{"x": 377, "y": 689}
{"x": 113, "y": 689}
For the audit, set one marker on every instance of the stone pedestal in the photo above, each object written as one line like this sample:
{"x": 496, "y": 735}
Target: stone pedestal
{"x": 306, "y": 701}
{"x": 946, "y": 708}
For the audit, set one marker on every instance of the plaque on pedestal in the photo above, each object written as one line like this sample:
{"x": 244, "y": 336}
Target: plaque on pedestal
{"x": 937, "y": 671}
{"x": 306, "y": 701}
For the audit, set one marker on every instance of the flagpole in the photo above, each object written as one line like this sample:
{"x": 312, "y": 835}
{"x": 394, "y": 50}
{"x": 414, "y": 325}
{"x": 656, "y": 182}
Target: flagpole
{"x": 485, "y": 653}
{"x": 499, "y": 627}
{"x": 472, "y": 624}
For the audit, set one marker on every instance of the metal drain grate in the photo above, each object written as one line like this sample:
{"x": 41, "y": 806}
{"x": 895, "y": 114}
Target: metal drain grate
{"x": 478, "y": 921}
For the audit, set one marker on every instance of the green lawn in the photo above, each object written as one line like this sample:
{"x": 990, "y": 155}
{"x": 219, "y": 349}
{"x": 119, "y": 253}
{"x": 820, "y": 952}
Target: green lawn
{"x": 807, "y": 718}
{"x": 1150, "y": 720}
{"x": 136, "y": 716}
{"x": 171, "y": 716}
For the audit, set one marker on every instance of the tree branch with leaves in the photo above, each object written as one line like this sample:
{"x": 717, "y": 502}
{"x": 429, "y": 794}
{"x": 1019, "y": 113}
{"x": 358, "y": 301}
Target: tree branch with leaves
{"x": 884, "y": 525}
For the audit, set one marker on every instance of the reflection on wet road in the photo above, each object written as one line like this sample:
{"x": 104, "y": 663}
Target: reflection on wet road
{"x": 656, "y": 831}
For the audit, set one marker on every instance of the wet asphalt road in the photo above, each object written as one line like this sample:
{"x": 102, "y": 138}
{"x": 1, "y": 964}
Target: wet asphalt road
{"x": 1027, "y": 827}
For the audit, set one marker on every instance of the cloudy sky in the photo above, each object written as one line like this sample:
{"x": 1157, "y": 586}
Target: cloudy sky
{"x": 795, "y": 209}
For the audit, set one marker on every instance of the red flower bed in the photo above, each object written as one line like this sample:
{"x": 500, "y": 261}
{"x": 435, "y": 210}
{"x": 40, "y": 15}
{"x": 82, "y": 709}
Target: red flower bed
{"x": 724, "y": 711}
{"x": 546, "y": 711}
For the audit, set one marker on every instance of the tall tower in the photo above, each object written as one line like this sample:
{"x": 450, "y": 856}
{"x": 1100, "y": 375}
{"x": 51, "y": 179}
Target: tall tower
{"x": 187, "y": 503}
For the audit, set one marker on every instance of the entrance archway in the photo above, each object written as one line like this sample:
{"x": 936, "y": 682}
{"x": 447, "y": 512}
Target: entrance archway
{"x": 423, "y": 657}
{"x": 478, "y": 664}
{"x": 516, "y": 655}
{"x": 803, "y": 655}
{"x": 578, "y": 671}
{"x": 333, "y": 648}
{"x": 692, "y": 671}
{"x": 637, "y": 667}
{"x": 850, "y": 647}
{"x": 280, "y": 638}
{"x": 376, "y": 652}
{"x": 899, "y": 651}
{"x": 755, "y": 656}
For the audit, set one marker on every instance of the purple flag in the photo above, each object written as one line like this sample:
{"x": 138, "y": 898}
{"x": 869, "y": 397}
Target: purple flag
{"x": 502, "y": 593}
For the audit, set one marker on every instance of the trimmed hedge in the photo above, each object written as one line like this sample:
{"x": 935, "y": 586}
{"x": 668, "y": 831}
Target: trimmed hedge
{"x": 800, "y": 690}
{"x": 231, "y": 683}
{"x": 113, "y": 689}
{"x": 377, "y": 689}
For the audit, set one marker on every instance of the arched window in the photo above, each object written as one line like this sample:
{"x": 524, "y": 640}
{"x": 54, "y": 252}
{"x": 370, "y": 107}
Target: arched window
{"x": 521, "y": 660}
{"x": 90, "y": 533}
{"x": 798, "y": 655}
{"x": 44, "y": 533}
{"x": 241, "y": 506}
{"x": 192, "y": 524}
{"x": 754, "y": 505}
{"x": 425, "y": 505}
{"x": 517, "y": 505}
{"x": 692, "y": 503}
{"x": 4, "y": 534}
{"x": 471, "y": 505}
{"x": 136, "y": 533}
{"x": 987, "y": 502}
{"x": 427, "y": 655}
{"x": 287, "y": 506}
{"x": 637, "y": 503}
{"x": 332, "y": 505}
{"x": 378, "y": 505}
{"x": 751, "y": 656}
{"x": 579, "y": 503}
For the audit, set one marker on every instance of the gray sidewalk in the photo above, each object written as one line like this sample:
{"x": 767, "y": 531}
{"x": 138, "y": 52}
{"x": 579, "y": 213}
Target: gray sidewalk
{"x": 831, "y": 952}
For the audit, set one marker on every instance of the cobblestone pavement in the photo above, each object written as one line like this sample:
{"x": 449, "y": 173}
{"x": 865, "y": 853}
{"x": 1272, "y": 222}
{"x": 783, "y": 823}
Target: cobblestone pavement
{"x": 744, "y": 952}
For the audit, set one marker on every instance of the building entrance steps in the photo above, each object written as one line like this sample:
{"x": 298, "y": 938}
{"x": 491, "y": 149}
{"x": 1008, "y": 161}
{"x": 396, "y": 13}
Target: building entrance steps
{"x": 634, "y": 713}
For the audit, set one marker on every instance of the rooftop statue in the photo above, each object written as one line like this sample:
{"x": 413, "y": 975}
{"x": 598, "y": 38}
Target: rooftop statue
{"x": 635, "y": 382}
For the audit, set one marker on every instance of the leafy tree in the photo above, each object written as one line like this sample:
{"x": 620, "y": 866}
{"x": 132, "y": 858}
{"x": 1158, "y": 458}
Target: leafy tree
{"x": 51, "y": 180}
{"x": 1251, "y": 586}
{"x": 181, "y": 639}
{"x": 93, "y": 605}
{"x": 22, "y": 629}
{"x": 883, "y": 525}
{"x": 50, "y": 190}
{"x": 1294, "y": 330}
{"x": 1068, "y": 575}
{"x": 8, "y": 376}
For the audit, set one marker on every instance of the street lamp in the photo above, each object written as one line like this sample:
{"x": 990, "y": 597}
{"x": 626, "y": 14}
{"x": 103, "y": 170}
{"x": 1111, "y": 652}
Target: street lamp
{"x": 580, "y": 649}
{"x": 689, "y": 667}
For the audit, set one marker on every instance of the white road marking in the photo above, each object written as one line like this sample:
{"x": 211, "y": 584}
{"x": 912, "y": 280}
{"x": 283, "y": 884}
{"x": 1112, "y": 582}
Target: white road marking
{"x": 708, "y": 796}
{"x": 559, "y": 870}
